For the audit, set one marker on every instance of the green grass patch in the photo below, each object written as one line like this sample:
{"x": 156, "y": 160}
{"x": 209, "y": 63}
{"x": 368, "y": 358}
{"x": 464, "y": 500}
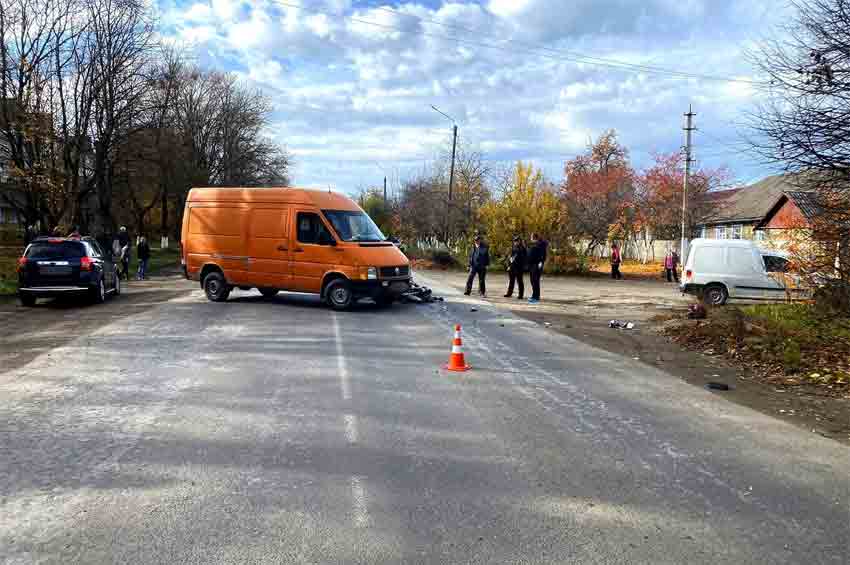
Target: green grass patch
{"x": 804, "y": 322}
{"x": 8, "y": 287}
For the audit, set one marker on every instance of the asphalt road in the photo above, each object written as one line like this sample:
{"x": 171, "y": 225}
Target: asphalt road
{"x": 281, "y": 432}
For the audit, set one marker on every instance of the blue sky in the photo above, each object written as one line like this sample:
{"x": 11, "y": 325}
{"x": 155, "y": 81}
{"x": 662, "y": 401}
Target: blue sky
{"x": 353, "y": 81}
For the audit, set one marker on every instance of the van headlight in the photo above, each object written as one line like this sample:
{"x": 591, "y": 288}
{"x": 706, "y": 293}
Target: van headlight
{"x": 372, "y": 273}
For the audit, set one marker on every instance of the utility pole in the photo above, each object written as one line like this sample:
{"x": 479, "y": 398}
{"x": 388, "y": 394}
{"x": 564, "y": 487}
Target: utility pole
{"x": 452, "y": 171}
{"x": 454, "y": 147}
{"x": 689, "y": 127}
{"x": 385, "y": 191}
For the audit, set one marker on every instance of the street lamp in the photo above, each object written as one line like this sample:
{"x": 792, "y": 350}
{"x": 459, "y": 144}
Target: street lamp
{"x": 454, "y": 146}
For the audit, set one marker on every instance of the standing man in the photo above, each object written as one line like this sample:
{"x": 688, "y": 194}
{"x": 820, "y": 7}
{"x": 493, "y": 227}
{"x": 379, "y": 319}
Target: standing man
{"x": 479, "y": 259}
{"x": 143, "y": 252}
{"x": 516, "y": 267}
{"x": 536, "y": 259}
{"x": 616, "y": 259}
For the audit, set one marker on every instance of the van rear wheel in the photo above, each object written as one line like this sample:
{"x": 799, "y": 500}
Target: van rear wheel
{"x": 215, "y": 287}
{"x": 715, "y": 295}
{"x": 339, "y": 295}
{"x": 268, "y": 292}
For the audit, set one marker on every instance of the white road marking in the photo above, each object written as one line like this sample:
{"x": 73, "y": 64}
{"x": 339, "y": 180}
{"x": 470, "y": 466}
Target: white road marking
{"x": 361, "y": 510}
{"x": 359, "y": 497}
{"x": 344, "y": 382}
{"x": 351, "y": 433}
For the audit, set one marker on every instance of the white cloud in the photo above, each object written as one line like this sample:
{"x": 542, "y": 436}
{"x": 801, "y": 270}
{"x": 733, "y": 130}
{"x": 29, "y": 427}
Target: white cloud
{"x": 355, "y": 92}
{"x": 507, "y": 8}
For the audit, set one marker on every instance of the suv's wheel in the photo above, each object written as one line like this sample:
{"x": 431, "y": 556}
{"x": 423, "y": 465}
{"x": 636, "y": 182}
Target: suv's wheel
{"x": 268, "y": 292}
{"x": 216, "y": 287}
{"x": 99, "y": 292}
{"x": 27, "y": 299}
{"x": 715, "y": 295}
{"x": 339, "y": 295}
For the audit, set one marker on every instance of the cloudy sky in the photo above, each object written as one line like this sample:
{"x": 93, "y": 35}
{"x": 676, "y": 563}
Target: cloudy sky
{"x": 353, "y": 81}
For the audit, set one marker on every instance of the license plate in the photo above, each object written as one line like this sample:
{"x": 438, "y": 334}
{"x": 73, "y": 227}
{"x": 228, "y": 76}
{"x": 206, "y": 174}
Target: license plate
{"x": 54, "y": 270}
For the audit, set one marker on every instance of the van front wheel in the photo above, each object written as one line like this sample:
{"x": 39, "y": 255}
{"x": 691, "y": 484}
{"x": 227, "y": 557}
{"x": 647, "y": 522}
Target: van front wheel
{"x": 339, "y": 295}
{"x": 216, "y": 287}
{"x": 715, "y": 295}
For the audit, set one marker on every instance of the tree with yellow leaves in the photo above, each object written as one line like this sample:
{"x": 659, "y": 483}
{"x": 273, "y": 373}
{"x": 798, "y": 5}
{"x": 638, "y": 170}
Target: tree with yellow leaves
{"x": 526, "y": 205}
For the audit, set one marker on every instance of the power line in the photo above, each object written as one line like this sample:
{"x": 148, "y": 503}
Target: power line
{"x": 530, "y": 48}
{"x": 563, "y": 52}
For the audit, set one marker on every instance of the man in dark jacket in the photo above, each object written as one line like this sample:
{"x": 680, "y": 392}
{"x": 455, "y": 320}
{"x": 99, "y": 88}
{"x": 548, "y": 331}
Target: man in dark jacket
{"x": 516, "y": 267}
{"x": 479, "y": 259}
{"x": 143, "y": 251}
{"x": 536, "y": 259}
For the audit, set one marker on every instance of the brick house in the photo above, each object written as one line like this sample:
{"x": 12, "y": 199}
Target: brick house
{"x": 735, "y": 213}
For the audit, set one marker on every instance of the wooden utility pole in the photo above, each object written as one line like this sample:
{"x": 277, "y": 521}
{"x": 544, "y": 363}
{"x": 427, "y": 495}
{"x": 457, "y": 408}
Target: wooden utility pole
{"x": 452, "y": 171}
{"x": 689, "y": 127}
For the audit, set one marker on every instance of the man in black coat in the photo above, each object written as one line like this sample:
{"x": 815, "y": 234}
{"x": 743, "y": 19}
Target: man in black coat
{"x": 536, "y": 259}
{"x": 516, "y": 267}
{"x": 479, "y": 259}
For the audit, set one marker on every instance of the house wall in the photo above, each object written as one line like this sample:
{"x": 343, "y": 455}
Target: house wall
{"x": 788, "y": 216}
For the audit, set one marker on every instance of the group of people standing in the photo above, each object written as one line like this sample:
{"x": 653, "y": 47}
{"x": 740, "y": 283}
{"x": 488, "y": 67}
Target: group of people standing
{"x": 521, "y": 260}
{"x": 532, "y": 258}
{"x": 122, "y": 247}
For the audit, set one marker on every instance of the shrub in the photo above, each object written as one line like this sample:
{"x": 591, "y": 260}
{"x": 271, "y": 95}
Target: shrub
{"x": 791, "y": 356}
{"x": 442, "y": 257}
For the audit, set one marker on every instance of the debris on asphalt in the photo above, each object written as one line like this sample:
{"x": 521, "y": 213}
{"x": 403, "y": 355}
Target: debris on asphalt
{"x": 621, "y": 325}
{"x": 419, "y": 294}
{"x": 716, "y": 386}
{"x": 473, "y": 309}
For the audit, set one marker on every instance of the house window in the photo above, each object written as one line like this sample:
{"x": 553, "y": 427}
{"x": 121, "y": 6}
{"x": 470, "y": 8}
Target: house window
{"x": 760, "y": 235}
{"x": 720, "y": 232}
{"x": 703, "y": 232}
{"x": 737, "y": 231}
{"x": 8, "y": 216}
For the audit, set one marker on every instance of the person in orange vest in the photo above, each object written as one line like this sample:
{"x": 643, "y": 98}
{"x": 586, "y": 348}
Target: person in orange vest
{"x": 616, "y": 259}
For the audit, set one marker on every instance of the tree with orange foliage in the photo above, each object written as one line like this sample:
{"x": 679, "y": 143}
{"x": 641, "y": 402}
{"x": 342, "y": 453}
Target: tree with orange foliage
{"x": 657, "y": 212}
{"x": 598, "y": 187}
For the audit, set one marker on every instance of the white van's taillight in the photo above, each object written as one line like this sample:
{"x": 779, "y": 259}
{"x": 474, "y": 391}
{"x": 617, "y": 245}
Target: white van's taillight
{"x": 689, "y": 274}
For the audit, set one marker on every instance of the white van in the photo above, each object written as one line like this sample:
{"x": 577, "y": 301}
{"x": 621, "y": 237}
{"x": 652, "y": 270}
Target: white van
{"x": 720, "y": 269}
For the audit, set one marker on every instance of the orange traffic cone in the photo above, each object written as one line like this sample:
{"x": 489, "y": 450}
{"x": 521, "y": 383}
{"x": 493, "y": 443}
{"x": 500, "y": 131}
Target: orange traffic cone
{"x": 456, "y": 360}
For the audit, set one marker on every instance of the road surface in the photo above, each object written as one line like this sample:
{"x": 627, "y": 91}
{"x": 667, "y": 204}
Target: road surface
{"x": 282, "y": 432}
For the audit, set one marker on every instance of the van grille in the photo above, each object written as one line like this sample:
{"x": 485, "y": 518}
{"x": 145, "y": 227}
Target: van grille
{"x": 392, "y": 272}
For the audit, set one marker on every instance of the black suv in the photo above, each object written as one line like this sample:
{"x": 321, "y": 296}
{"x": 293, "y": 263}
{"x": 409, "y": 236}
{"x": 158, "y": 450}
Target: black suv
{"x": 59, "y": 266}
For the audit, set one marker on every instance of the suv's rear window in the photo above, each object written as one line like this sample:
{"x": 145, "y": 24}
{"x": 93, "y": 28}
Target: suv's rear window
{"x": 57, "y": 250}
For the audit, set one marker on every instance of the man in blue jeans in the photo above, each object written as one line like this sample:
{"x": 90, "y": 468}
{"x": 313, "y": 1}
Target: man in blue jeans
{"x": 143, "y": 252}
{"x": 479, "y": 259}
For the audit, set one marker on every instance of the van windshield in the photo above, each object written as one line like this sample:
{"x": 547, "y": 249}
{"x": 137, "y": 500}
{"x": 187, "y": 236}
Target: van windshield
{"x": 353, "y": 226}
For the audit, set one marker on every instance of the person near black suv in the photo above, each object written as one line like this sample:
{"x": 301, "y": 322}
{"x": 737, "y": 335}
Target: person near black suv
{"x": 59, "y": 266}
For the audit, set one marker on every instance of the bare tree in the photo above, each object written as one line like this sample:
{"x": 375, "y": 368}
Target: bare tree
{"x": 804, "y": 127}
{"x": 32, "y": 34}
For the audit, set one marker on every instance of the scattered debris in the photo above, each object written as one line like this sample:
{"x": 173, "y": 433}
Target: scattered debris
{"x": 716, "y": 386}
{"x": 473, "y": 309}
{"x": 696, "y": 311}
{"x": 419, "y": 294}
{"x": 621, "y": 325}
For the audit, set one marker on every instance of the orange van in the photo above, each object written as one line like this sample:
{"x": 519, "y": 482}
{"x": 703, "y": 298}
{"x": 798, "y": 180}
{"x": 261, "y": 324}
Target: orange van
{"x": 289, "y": 239}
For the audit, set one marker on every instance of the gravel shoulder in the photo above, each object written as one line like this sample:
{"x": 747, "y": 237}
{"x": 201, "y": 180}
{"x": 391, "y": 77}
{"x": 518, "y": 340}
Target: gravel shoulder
{"x": 582, "y": 307}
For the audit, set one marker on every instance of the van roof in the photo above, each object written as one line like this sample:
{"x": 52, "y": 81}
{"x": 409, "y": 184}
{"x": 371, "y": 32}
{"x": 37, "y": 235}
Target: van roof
{"x": 322, "y": 199}
{"x": 724, "y": 242}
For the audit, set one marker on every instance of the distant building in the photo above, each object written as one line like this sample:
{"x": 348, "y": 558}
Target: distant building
{"x": 735, "y": 213}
